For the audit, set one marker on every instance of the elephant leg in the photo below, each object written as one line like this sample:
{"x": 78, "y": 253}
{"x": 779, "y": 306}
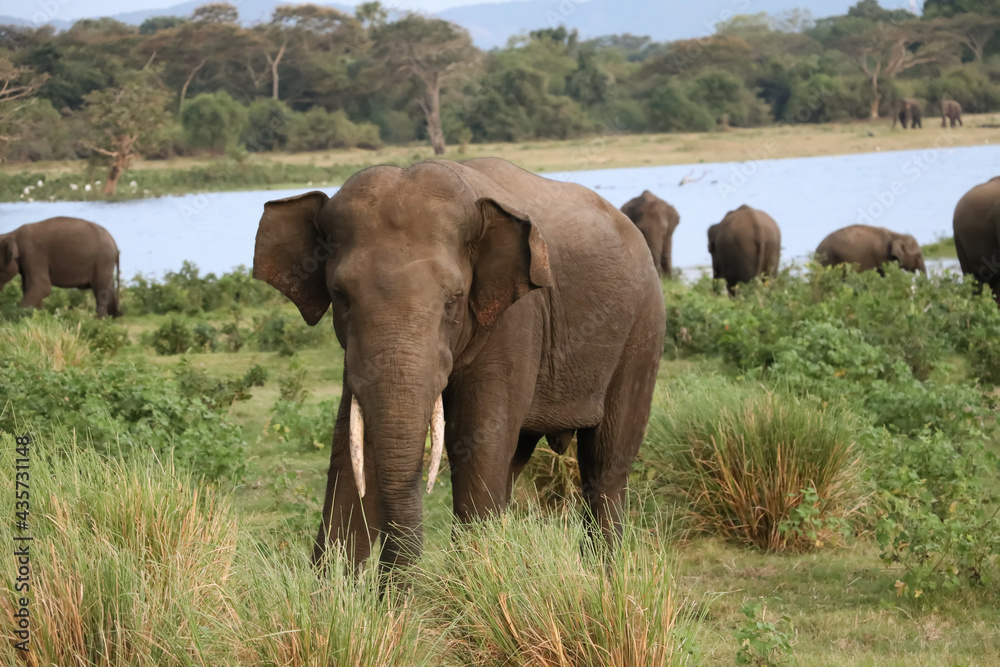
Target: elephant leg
{"x": 35, "y": 291}
{"x": 606, "y": 452}
{"x": 349, "y": 521}
{"x": 526, "y": 443}
{"x": 666, "y": 257}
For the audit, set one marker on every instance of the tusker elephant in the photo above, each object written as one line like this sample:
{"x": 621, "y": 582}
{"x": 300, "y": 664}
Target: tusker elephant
{"x": 494, "y": 304}
{"x": 951, "y": 111}
{"x": 747, "y": 243}
{"x": 65, "y": 252}
{"x": 907, "y": 111}
{"x": 657, "y": 220}
{"x": 977, "y": 234}
{"x": 869, "y": 248}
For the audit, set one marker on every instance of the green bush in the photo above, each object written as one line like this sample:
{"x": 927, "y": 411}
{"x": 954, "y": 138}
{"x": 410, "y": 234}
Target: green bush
{"x": 213, "y": 121}
{"x": 319, "y": 129}
{"x": 276, "y": 332}
{"x": 267, "y": 125}
{"x": 174, "y": 336}
{"x": 741, "y": 455}
{"x": 966, "y": 84}
{"x": 307, "y": 427}
{"x": 671, "y": 110}
{"x": 938, "y": 511}
{"x": 187, "y": 291}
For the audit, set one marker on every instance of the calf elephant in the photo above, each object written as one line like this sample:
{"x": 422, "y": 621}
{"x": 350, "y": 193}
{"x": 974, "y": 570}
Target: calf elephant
{"x": 746, "y": 244}
{"x": 951, "y": 111}
{"x": 657, "y": 220}
{"x": 869, "y": 247}
{"x": 907, "y": 111}
{"x": 977, "y": 234}
{"x": 64, "y": 252}
{"x": 495, "y": 304}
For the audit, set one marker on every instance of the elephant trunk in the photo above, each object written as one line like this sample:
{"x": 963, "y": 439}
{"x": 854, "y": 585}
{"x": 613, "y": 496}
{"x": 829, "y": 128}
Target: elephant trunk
{"x": 391, "y": 409}
{"x": 921, "y": 267}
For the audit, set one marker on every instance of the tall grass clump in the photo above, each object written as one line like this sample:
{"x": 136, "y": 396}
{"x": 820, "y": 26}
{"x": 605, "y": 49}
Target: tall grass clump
{"x": 753, "y": 464}
{"x": 521, "y": 594}
{"x": 134, "y": 564}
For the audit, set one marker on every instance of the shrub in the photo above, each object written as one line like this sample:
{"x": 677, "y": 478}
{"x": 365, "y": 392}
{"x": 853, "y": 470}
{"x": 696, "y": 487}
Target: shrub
{"x": 267, "y": 125}
{"x": 671, "y": 110}
{"x": 135, "y": 549}
{"x": 213, "y": 121}
{"x": 938, "y": 511}
{"x": 520, "y": 594}
{"x": 172, "y": 337}
{"x": 217, "y": 394}
{"x": 275, "y": 332}
{"x": 740, "y": 456}
{"x": 187, "y": 291}
{"x": 319, "y": 129}
{"x": 307, "y": 427}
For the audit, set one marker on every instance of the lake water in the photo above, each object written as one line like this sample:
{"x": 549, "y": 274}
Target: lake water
{"x": 907, "y": 191}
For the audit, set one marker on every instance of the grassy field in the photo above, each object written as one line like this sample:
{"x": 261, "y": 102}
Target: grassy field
{"x": 131, "y": 547}
{"x": 610, "y": 149}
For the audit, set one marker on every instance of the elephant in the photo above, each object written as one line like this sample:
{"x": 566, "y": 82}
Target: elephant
{"x": 977, "y": 234}
{"x": 746, "y": 244}
{"x": 65, "y": 252}
{"x": 657, "y": 220}
{"x": 492, "y": 303}
{"x": 869, "y": 248}
{"x": 951, "y": 111}
{"x": 907, "y": 111}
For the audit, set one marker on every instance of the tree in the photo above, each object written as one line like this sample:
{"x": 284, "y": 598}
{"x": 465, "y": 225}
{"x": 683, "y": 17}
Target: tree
{"x": 885, "y": 50}
{"x": 974, "y": 31}
{"x": 216, "y": 12}
{"x": 936, "y": 8}
{"x": 430, "y": 52}
{"x": 213, "y": 121}
{"x": 124, "y": 118}
{"x": 17, "y": 87}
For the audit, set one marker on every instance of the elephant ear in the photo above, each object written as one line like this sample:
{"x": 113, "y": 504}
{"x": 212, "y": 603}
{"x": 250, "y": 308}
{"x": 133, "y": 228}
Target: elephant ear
{"x": 896, "y": 251}
{"x": 511, "y": 259}
{"x": 291, "y": 252}
{"x": 8, "y": 250}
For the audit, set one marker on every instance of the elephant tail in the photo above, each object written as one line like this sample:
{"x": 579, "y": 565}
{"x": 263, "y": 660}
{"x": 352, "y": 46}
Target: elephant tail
{"x": 117, "y": 311}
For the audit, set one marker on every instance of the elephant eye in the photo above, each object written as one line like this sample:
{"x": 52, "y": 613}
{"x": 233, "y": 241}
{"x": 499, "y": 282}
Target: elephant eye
{"x": 453, "y": 299}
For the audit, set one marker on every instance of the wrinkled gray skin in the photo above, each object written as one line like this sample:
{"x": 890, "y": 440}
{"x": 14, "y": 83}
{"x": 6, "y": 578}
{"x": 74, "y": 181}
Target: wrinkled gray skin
{"x": 62, "y": 252}
{"x": 869, "y": 248}
{"x": 951, "y": 111}
{"x": 657, "y": 220}
{"x": 977, "y": 234}
{"x": 533, "y": 305}
{"x": 907, "y": 111}
{"x": 746, "y": 244}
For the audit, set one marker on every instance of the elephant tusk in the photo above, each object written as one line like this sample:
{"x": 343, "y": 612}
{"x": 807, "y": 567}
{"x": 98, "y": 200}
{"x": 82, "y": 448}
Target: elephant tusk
{"x": 357, "y": 431}
{"x": 437, "y": 443}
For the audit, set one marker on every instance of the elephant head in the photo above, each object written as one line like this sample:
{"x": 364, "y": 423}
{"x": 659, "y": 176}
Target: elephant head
{"x": 905, "y": 250}
{"x": 414, "y": 262}
{"x": 9, "y": 255}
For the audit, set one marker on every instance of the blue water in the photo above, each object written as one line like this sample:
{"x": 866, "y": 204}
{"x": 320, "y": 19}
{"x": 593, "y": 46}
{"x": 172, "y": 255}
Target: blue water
{"x": 908, "y": 191}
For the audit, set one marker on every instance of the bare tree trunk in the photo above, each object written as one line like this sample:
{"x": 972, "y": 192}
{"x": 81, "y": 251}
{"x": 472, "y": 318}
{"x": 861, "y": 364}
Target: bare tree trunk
{"x": 187, "y": 82}
{"x": 875, "y": 98}
{"x": 273, "y": 62}
{"x": 431, "y": 105}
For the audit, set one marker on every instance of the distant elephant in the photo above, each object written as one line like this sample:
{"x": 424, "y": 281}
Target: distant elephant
{"x": 977, "y": 234}
{"x": 64, "y": 252}
{"x": 869, "y": 247}
{"x": 746, "y": 244}
{"x": 951, "y": 111}
{"x": 657, "y": 220}
{"x": 907, "y": 111}
{"x": 495, "y": 304}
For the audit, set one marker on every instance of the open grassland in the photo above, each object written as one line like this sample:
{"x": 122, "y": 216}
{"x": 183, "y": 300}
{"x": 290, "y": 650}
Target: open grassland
{"x": 818, "y": 483}
{"x": 611, "y": 149}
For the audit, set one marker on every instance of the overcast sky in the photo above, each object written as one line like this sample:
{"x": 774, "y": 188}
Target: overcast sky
{"x": 72, "y": 9}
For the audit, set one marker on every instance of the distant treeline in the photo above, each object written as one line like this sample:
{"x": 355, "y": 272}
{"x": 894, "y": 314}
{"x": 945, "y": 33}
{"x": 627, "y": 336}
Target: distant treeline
{"x": 313, "y": 78}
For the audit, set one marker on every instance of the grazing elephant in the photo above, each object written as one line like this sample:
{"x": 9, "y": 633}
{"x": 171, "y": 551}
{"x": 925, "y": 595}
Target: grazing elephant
{"x": 907, "y": 111}
{"x": 869, "y": 248}
{"x": 494, "y": 304}
{"x": 951, "y": 111}
{"x": 747, "y": 243}
{"x": 977, "y": 234}
{"x": 65, "y": 252}
{"x": 657, "y": 220}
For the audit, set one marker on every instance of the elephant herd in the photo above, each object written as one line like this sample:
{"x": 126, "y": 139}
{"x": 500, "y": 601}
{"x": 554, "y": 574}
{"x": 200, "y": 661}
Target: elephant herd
{"x": 489, "y": 307}
{"x": 908, "y": 112}
{"x": 747, "y": 242}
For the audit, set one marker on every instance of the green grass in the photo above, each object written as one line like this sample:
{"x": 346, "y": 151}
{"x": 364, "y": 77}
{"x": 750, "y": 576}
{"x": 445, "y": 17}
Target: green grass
{"x": 132, "y": 549}
{"x": 942, "y": 248}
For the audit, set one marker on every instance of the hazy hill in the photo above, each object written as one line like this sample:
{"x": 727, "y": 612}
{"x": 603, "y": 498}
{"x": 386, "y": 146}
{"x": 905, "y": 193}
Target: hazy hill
{"x": 492, "y": 24}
